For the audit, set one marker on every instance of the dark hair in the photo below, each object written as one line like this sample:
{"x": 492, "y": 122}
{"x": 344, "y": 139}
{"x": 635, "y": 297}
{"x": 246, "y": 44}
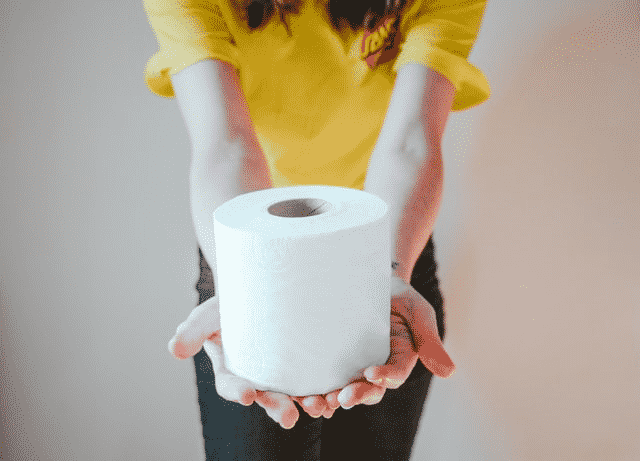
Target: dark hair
{"x": 342, "y": 13}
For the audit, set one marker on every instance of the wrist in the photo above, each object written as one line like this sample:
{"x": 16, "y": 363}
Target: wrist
{"x": 399, "y": 270}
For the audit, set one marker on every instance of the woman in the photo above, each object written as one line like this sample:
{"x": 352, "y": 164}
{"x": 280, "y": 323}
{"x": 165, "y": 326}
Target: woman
{"x": 356, "y": 94}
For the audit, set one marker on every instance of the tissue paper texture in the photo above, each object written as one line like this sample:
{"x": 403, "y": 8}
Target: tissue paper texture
{"x": 304, "y": 300}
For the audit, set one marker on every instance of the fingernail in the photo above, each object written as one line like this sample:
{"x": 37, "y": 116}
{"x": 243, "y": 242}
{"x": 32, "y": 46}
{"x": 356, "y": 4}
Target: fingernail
{"x": 348, "y": 408}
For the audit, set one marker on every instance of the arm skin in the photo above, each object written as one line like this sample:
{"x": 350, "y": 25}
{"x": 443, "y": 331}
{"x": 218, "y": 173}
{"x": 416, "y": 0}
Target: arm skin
{"x": 406, "y": 167}
{"x": 406, "y": 170}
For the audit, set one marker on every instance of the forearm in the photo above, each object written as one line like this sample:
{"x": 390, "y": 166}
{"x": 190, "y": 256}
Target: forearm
{"x": 411, "y": 183}
{"x": 236, "y": 167}
{"x": 406, "y": 167}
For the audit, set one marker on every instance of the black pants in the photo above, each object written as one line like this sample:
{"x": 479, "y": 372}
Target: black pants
{"x": 384, "y": 431}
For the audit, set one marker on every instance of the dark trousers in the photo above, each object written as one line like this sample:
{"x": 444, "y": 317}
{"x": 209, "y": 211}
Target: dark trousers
{"x": 384, "y": 431}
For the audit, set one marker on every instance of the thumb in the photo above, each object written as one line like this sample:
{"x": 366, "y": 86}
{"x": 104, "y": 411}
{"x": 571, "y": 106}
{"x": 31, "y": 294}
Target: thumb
{"x": 428, "y": 345}
{"x": 433, "y": 355}
{"x": 437, "y": 361}
{"x": 202, "y": 323}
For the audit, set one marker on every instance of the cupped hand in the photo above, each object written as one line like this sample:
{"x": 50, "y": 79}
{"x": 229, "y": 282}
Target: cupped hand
{"x": 414, "y": 335}
{"x": 202, "y": 329}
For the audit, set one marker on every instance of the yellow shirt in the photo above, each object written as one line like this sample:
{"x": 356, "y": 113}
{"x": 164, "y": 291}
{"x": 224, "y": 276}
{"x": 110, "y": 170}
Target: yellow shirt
{"x": 316, "y": 106}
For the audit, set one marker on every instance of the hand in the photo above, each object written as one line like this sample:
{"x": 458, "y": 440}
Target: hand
{"x": 414, "y": 334}
{"x": 202, "y": 328}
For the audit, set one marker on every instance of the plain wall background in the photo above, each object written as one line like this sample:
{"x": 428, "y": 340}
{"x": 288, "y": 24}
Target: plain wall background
{"x": 537, "y": 241}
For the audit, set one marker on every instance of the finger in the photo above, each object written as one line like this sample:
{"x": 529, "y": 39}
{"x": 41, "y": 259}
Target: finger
{"x": 314, "y": 405}
{"x": 235, "y": 389}
{"x": 360, "y": 392}
{"x": 421, "y": 319}
{"x": 394, "y": 373}
{"x": 428, "y": 345}
{"x": 228, "y": 385}
{"x": 328, "y": 413}
{"x": 279, "y": 407}
{"x": 401, "y": 360}
{"x": 441, "y": 365}
{"x": 332, "y": 399}
{"x": 190, "y": 335}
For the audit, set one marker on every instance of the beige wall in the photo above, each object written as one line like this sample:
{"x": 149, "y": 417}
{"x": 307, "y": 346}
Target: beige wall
{"x": 537, "y": 241}
{"x": 541, "y": 272}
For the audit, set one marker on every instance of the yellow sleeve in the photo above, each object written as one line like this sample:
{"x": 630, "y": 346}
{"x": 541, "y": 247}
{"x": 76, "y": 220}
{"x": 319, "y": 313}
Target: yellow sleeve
{"x": 439, "y": 34}
{"x": 187, "y": 31}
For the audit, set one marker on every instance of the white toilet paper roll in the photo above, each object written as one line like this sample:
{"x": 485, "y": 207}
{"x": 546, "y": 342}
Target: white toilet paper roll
{"x": 304, "y": 275}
